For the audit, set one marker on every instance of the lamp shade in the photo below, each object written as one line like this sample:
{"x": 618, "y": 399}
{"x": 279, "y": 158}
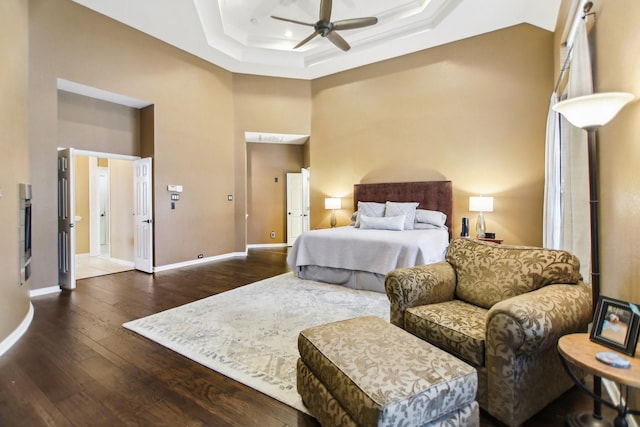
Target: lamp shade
{"x": 332, "y": 203}
{"x": 591, "y": 111}
{"x": 480, "y": 204}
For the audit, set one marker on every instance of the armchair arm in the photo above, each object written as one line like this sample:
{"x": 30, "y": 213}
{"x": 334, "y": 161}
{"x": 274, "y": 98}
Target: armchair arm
{"x": 421, "y": 285}
{"x": 532, "y": 322}
{"x": 522, "y": 363}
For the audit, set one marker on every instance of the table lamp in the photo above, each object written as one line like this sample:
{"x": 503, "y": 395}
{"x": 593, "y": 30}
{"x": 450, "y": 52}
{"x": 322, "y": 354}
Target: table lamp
{"x": 333, "y": 203}
{"x": 480, "y": 204}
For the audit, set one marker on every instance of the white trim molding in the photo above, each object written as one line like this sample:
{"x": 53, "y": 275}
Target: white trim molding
{"x": 14, "y": 336}
{"x": 267, "y": 245}
{"x": 44, "y": 291}
{"x": 198, "y": 261}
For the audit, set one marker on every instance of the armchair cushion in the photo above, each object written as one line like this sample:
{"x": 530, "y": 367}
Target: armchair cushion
{"x": 454, "y": 326}
{"x": 488, "y": 273}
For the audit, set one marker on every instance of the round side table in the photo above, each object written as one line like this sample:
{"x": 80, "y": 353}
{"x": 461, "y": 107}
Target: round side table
{"x": 578, "y": 350}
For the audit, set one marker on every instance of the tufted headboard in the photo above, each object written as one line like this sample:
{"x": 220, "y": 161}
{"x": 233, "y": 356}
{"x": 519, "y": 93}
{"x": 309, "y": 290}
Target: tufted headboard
{"x": 432, "y": 195}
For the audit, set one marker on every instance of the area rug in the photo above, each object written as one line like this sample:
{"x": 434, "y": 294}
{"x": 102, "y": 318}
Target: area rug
{"x": 250, "y": 333}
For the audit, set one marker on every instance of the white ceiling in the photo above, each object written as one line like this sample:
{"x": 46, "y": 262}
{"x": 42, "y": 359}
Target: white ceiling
{"x": 240, "y": 36}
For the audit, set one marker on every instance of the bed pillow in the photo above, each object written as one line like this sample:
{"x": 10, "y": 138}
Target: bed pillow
{"x": 395, "y": 223}
{"x": 407, "y": 209}
{"x": 370, "y": 209}
{"x": 436, "y": 218}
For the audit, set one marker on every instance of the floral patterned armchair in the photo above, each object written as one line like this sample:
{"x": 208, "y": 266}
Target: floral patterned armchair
{"x": 501, "y": 309}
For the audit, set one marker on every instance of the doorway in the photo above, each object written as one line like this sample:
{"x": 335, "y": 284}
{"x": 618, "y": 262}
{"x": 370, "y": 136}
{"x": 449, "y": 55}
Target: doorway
{"x": 113, "y": 242}
{"x": 94, "y": 255}
{"x": 269, "y": 158}
{"x": 298, "y": 211}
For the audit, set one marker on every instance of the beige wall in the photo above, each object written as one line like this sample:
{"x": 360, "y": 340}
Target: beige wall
{"x": 264, "y": 104}
{"x": 121, "y": 209}
{"x": 617, "y": 68}
{"x": 14, "y": 160}
{"x": 267, "y": 198}
{"x": 473, "y": 112}
{"x": 81, "y": 193}
{"x": 90, "y": 123}
{"x": 192, "y": 126}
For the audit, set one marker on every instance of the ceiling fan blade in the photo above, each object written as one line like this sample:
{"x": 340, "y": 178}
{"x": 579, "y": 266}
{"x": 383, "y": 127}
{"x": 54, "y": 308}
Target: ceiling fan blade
{"x": 350, "y": 24}
{"x": 337, "y": 39}
{"x": 305, "y": 41}
{"x": 292, "y": 21}
{"x": 325, "y": 10}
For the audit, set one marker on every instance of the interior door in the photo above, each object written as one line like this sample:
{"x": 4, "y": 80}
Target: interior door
{"x": 66, "y": 216}
{"x": 294, "y": 207}
{"x": 143, "y": 215}
{"x": 306, "y": 203}
{"x": 103, "y": 194}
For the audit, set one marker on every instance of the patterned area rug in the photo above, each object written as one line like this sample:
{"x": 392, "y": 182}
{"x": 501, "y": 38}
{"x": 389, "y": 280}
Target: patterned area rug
{"x": 250, "y": 333}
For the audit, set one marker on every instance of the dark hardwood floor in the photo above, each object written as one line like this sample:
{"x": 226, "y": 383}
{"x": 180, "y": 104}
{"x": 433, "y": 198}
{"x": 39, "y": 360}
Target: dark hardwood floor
{"x": 77, "y": 366}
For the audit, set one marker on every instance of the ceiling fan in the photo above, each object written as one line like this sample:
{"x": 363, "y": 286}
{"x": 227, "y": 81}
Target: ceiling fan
{"x": 325, "y": 28}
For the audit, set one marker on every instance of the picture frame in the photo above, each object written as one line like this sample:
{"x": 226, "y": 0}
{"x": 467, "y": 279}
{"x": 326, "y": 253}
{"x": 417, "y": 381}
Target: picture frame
{"x": 615, "y": 325}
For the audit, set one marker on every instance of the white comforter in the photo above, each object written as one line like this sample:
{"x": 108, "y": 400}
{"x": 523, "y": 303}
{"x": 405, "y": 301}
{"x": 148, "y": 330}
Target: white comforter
{"x": 375, "y": 251}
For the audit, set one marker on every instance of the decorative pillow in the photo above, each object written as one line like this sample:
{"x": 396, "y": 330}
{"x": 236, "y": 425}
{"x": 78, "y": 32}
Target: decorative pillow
{"x": 406, "y": 209}
{"x": 431, "y": 217}
{"x": 371, "y": 209}
{"x": 386, "y": 223}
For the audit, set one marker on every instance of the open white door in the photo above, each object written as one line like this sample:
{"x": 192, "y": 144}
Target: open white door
{"x": 306, "y": 203}
{"x": 66, "y": 216}
{"x": 294, "y": 207}
{"x": 143, "y": 215}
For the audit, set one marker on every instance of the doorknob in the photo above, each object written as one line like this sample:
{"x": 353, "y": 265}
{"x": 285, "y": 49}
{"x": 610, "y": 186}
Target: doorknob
{"x": 148, "y": 221}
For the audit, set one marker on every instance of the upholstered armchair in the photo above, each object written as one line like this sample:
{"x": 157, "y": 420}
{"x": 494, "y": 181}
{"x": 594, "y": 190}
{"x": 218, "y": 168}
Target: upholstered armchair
{"x": 501, "y": 309}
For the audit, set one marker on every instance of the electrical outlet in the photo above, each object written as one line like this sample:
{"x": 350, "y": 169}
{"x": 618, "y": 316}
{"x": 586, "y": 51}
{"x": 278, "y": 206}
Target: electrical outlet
{"x": 273, "y": 234}
{"x": 200, "y": 256}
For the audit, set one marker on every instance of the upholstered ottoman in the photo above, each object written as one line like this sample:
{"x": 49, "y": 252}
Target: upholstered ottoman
{"x": 367, "y": 372}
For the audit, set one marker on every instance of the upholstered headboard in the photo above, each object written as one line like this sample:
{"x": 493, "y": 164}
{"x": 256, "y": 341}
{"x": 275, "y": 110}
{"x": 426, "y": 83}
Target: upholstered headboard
{"x": 432, "y": 195}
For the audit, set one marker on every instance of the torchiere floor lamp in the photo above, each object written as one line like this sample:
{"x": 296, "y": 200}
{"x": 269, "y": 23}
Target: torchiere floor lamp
{"x": 589, "y": 113}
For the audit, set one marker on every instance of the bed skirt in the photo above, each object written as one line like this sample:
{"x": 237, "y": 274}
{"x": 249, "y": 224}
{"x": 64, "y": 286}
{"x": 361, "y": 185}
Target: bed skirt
{"x": 361, "y": 280}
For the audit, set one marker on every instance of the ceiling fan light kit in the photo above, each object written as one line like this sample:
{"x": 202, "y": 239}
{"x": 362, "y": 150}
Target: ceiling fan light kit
{"x": 325, "y": 28}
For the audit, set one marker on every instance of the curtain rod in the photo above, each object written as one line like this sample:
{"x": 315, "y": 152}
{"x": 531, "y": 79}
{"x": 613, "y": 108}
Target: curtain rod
{"x": 565, "y": 66}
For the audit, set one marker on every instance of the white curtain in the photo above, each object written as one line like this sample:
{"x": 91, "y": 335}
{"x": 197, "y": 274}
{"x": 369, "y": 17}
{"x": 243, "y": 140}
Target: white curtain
{"x": 568, "y": 227}
{"x": 552, "y": 218}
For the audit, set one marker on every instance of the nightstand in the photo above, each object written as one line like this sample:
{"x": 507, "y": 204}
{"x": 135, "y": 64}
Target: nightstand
{"x": 484, "y": 239}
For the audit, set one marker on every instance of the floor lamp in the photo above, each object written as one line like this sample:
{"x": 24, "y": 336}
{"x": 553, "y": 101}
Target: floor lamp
{"x": 589, "y": 113}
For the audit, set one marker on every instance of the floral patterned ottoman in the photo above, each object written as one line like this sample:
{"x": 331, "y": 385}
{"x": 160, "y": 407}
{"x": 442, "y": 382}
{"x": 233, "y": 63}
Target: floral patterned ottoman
{"x": 368, "y": 372}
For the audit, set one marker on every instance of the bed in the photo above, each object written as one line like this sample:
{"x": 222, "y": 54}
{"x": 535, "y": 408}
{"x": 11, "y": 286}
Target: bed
{"x": 360, "y": 257}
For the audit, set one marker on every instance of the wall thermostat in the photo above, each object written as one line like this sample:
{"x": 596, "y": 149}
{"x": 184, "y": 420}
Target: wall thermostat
{"x": 174, "y": 188}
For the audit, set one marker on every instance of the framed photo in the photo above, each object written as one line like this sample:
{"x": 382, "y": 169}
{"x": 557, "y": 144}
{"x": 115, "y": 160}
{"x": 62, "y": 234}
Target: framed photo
{"x": 615, "y": 325}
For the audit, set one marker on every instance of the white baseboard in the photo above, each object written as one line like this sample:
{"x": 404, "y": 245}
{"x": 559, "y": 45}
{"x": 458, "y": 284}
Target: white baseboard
{"x": 198, "y": 261}
{"x": 267, "y": 245}
{"x": 44, "y": 291}
{"x": 9, "y": 341}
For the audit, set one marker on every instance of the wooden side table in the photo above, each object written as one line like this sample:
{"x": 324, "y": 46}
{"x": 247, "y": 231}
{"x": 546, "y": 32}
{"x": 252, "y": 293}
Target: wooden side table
{"x": 484, "y": 239}
{"x": 580, "y": 351}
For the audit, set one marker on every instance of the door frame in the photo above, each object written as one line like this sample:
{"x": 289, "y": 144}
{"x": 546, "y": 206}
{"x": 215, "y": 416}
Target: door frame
{"x": 75, "y": 152}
